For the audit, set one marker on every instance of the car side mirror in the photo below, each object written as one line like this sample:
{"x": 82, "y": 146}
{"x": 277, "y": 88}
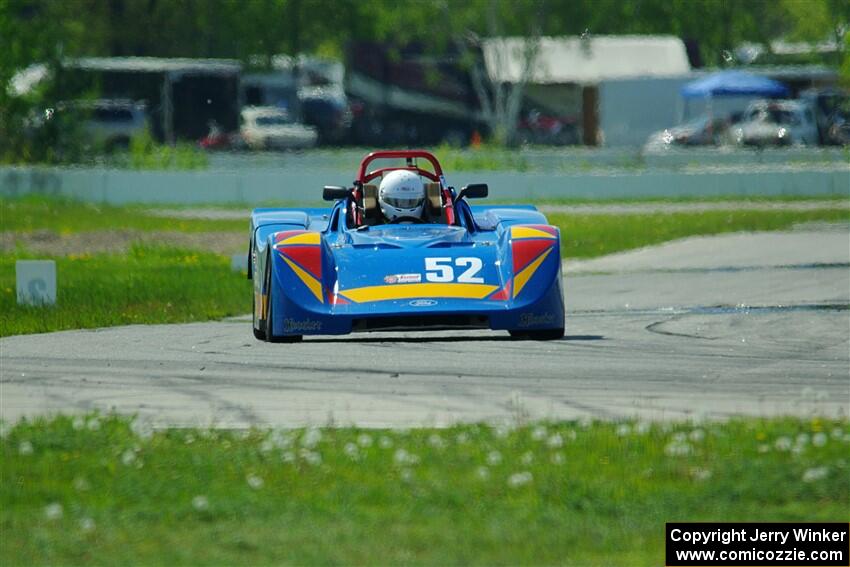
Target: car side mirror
{"x": 474, "y": 191}
{"x": 334, "y": 192}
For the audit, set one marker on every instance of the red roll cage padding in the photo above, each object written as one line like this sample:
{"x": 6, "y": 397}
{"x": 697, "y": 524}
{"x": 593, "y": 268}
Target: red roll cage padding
{"x": 375, "y": 173}
{"x": 363, "y": 177}
{"x": 435, "y": 176}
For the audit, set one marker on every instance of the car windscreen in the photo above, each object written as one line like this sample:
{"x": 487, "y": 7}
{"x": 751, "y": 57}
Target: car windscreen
{"x": 272, "y": 120}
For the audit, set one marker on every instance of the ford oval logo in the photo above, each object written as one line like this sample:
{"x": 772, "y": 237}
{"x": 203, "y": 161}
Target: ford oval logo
{"x": 423, "y": 303}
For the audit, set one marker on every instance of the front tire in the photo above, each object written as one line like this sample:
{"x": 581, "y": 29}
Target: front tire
{"x": 259, "y": 334}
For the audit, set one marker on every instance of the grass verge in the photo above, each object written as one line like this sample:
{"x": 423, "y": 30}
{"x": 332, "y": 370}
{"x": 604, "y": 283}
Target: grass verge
{"x": 148, "y": 285}
{"x": 107, "y": 490}
{"x": 587, "y": 236}
{"x": 66, "y": 216}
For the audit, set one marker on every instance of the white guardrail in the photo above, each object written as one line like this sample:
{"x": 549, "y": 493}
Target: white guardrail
{"x": 298, "y": 185}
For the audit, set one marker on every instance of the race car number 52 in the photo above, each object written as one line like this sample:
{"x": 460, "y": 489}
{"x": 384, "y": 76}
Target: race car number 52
{"x": 442, "y": 270}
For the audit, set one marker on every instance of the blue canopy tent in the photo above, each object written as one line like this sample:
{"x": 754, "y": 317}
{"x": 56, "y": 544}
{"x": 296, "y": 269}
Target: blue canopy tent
{"x": 732, "y": 84}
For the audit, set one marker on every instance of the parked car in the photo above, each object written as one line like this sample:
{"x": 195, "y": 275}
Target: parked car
{"x": 269, "y": 127}
{"x": 544, "y": 128}
{"x": 829, "y": 105}
{"x": 777, "y": 123}
{"x": 109, "y": 124}
{"x": 702, "y": 131}
{"x": 328, "y": 110}
{"x": 839, "y": 128}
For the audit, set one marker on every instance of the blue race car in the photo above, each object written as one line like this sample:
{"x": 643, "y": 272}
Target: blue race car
{"x": 455, "y": 266}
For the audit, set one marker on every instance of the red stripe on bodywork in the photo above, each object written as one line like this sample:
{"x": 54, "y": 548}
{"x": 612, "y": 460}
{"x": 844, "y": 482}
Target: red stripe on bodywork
{"x": 503, "y": 294}
{"x": 286, "y": 234}
{"x": 545, "y": 228}
{"x": 525, "y": 251}
{"x": 308, "y": 257}
{"x": 336, "y": 299}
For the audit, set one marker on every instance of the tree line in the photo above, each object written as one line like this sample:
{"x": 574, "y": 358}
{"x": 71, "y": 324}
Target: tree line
{"x": 253, "y": 31}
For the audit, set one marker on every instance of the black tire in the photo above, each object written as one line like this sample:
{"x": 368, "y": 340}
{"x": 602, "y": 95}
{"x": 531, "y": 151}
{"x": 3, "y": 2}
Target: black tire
{"x": 269, "y": 327}
{"x": 259, "y": 334}
{"x": 543, "y": 335}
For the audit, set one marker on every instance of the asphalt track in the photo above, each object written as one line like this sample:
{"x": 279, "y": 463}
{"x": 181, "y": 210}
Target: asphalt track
{"x": 701, "y": 328}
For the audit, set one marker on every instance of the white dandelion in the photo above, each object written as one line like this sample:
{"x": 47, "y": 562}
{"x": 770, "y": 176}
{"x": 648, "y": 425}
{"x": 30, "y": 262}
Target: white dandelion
{"x": 80, "y": 484}
{"x": 819, "y": 439}
{"x": 700, "y": 474}
{"x": 527, "y": 458}
{"x": 624, "y": 430}
{"x": 25, "y": 448}
{"x": 783, "y": 444}
{"x": 555, "y": 441}
{"x": 815, "y": 474}
{"x": 254, "y": 481}
{"x": 436, "y": 441}
{"x": 678, "y": 449}
{"x": 87, "y": 524}
{"x": 519, "y": 479}
{"x": 385, "y": 442}
{"x": 311, "y": 438}
{"x": 483, "y": 473}
{"x": 128, "y": 457}
{"x": 402, "y": 457}
{"x": 539, "y": 433}
{"x": 200, "y": 503}
{"x": 53, "y": 511}
{"x": 696, "y": 435}
{"x": 494, "y": 458}
{"x": 312, "y": 458}
{"x": 364, "y": 440}
{"x": 462, "y": 438}
{"x": 352, "y": 451}
{"x": 557, "y": 458}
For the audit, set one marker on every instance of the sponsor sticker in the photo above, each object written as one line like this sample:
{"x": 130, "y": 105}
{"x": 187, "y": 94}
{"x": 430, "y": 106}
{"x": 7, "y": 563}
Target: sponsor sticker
{"x": 403, "y": 278}
{"x": 535, "y": 319}
{"x": 423, "y": 303}
{"x": 290, "y": 325}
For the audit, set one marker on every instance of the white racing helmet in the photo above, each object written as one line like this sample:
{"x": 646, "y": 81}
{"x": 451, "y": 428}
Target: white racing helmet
{"x": 401, "y": 194}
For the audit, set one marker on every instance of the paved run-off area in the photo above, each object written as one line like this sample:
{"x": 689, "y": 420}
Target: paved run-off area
{"x": 705, "y": 327}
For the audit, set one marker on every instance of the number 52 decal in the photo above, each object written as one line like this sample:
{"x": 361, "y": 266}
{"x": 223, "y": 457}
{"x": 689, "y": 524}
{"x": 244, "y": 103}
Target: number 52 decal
{"x": 442, "y": 270}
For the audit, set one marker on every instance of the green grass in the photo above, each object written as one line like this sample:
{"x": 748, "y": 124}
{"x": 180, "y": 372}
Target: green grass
{"x": 148, "y": 285}
{"x": 103, "y": 490}
{"x": 66, "y": 216}
{"x": 587, "y": 236}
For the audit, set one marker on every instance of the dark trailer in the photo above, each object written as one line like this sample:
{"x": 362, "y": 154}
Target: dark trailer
{"x": 182, "y": 95}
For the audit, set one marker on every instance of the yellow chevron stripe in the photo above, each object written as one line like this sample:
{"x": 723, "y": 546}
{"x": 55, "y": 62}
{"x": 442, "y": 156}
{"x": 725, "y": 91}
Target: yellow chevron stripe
{"x": 311, "y": 282}
{"x": 305, "y": 238}
{"x": 519, "y": 232}
{"x": 522, "y": 278}
{"x": 413, "y": 291}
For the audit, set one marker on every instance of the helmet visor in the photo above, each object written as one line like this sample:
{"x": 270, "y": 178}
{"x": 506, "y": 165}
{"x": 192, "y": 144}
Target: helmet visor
{"x": 408, "y": 203}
